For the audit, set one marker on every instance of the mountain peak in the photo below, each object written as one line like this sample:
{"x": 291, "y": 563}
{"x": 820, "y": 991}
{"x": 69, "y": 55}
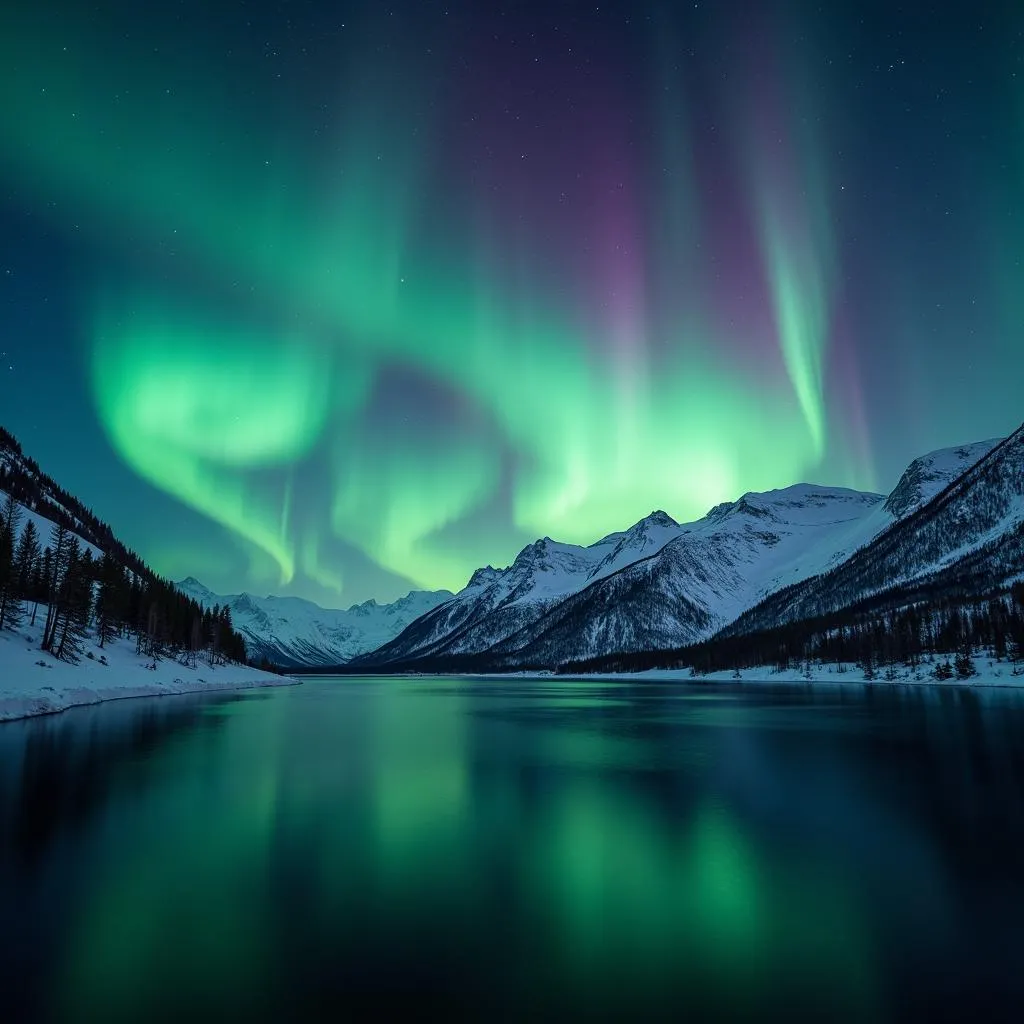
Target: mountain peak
{"x": 749, "y": 504}
{"x": 199, "y": 591}
{"x": 659, "y": 518}
{"x": 421, "y": 596}
{"x": 532, "y": 551}
{"x": 930, "y": 473}
{"x": 483, "y": 576}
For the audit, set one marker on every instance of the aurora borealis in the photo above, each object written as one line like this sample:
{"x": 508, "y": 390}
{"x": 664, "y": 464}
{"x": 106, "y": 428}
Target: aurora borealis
{"x": 340, "y": 299}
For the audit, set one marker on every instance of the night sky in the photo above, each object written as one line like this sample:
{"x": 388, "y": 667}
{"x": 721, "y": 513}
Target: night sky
{"x": 341, "y": 299}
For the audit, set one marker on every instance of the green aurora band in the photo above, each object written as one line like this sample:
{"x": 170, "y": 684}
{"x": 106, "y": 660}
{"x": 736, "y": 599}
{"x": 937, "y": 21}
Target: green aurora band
{"x": 336, "y": 274}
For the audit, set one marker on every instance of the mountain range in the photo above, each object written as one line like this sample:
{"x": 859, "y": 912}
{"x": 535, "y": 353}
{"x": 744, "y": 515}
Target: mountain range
{"x": 294, "y": 633}
{"x": 952, "y": 528}
{"x": 763, "y": 559}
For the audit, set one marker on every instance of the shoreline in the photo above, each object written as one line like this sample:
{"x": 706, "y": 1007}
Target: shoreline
{"x": 33, "y": 682}
{"x": 984, "y": 679}
{"x": 16, "y": 709}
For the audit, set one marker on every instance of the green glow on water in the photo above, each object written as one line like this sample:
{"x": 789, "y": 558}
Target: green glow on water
{"x": 393, "y": 814}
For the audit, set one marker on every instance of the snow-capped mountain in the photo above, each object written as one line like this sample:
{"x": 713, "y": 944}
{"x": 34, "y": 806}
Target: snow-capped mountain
{"x": 968, "y": 536}
{"x": 705, "y": 577}
{"x": 661, "y": 584}
{"x": 928, "y": 475}
{"x": 294, "y": 633}
{"x": 497, "y": 603}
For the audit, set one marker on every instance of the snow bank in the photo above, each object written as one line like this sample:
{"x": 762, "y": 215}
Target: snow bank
{"x": 33, "y": 682}
{"x": 989, "y": 673}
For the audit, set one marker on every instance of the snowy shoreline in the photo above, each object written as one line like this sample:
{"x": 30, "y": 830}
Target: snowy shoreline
{"x": 32, "y": 682}
{"x": 994, "y": 675}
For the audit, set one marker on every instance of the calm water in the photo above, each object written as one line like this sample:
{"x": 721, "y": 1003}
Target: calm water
{"x": 517, "y": 850}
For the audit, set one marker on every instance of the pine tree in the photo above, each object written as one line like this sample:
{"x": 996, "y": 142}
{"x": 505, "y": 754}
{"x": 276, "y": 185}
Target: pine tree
{"x": 87, "y": 568}
{"x": 26, "y": 556}
{"x": 10, "y": 604}
{"x": 964, "y": 665}
{"x": 195, "y": 639}
{"x": 40, "y": 581}
{"x": 111, "y": 600}
{"x": 7, "y": 571}
{"x": 215, "y": 636}
{"x": 148, "y": 644}
{"x": 57, "y": 579}
{"x": 72, "y": 620}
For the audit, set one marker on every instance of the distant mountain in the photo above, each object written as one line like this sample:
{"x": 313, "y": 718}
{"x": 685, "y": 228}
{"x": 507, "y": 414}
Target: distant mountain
{"x": 295, "y": 633}
{"x": 660, "y": 584}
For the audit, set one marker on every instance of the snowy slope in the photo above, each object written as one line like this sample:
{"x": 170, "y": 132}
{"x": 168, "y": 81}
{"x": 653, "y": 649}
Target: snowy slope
{"x": 971, "y": 534}
{"x": 34, "y": 683}
{"x": 661, "y": 584}
{"x": 657, "y": 583}
{"x": 293, "y": 632}
{"x": 700, "y": 581}
{"x": 496, "y": 603}
{"x": 45, "y": 526}
{"x": 928, "y": 475}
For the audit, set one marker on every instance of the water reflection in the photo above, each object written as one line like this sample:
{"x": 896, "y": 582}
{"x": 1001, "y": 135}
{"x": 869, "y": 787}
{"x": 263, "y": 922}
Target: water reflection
{"x": 519, "y": 850}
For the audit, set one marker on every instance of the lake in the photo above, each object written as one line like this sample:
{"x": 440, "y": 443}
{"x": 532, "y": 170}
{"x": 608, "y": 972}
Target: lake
{"x": 518, "y": 849}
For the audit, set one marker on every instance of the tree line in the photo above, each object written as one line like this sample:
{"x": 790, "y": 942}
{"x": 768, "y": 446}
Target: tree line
{"x": 57, "y": 581}
{"x": 21, "y": 478}
{"x": 948, "y": 632}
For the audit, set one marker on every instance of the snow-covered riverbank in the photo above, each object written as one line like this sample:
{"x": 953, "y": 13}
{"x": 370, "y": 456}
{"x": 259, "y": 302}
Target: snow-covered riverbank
{"x": 988, "y": 672}
{"x": 32, "y": 682}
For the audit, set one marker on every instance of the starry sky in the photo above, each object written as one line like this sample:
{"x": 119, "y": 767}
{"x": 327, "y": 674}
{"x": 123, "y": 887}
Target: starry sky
{"x": 340, "y": 299}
